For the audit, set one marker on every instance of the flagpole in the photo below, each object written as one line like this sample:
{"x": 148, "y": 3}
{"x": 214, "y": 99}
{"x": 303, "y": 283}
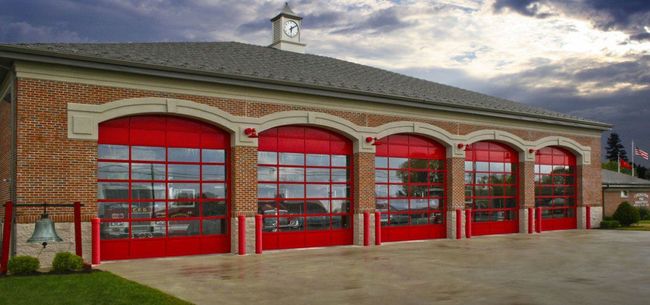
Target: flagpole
{"x": 632, "y": 158}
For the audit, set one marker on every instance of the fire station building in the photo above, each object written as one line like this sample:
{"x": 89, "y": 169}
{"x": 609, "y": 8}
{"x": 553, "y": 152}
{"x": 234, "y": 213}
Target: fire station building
{"x": 168, "y": 144}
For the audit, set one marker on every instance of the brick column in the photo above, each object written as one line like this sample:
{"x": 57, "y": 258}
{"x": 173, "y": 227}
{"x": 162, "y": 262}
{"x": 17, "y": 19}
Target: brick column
{"x": 243, "y": 194}
{"x": 589, "y": 193}
{"x": 526, "y": 193}
{"x": 455, "y": 194}
{"x": 364, "y": 194}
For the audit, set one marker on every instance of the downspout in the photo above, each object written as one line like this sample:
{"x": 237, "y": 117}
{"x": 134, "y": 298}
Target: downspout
{"x": 14, "y": 155}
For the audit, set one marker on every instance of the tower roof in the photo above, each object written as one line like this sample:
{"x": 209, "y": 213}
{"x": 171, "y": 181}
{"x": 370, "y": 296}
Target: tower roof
{"x": 286, "y": 11}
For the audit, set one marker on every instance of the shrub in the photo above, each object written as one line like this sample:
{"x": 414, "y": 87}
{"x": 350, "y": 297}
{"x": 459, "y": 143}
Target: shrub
{"x": 66, "y": 262}
{"x": 24, "y": 264}
{"x": 644, "y": 213}
{"x": 626, "y": 214}
{"x": 608, "y": 218}
{"x": 609, "y": 224}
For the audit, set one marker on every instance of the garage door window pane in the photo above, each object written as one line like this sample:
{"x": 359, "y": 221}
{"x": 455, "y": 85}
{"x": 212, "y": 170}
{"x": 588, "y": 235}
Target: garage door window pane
{"x": 146, "y": 153}
{"x": 114, "y": 152}
{"x": 112, "y": 190}
{"x": 147, "y": 171}
{"x": 183, "y": 227}
{"x": 184, "y": 154}
{"x": 112, "y": 170}
{"x": 214, "y": 226}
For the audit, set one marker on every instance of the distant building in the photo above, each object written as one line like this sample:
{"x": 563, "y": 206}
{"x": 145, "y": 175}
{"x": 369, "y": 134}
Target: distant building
{"x": 618, "y": 188}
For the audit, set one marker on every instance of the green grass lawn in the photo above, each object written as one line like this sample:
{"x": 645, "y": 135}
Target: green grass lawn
{"x": 643, "y": 225}
{"x": 97, "y": 287}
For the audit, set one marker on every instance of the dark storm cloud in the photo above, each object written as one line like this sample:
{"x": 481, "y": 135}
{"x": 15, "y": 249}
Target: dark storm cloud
{"x": 525, "y": 7}
{"x": 383, "y": 21}
{"x": 630, "y": 16}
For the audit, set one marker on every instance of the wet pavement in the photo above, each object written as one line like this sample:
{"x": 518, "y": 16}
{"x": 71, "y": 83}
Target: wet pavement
{"x": 567, "y": 267}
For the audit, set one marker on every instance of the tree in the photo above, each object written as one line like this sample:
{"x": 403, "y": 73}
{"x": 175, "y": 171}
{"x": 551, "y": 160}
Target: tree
{"x": 614, "y": 148}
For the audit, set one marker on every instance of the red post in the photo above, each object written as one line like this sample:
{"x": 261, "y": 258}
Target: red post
{"x": 258, "y": 234}
{"x": 459, "y": 224}
{"x": 468, "y": 223}
{"x": 96, "y": 258}
{"x": 538, "y": 220}
{"x": 242, "y": 234}
{"x": 6, "y": 236}
{"x": 588, "y": 220}
{"x": 378, "y": 228}
{"x": 77, "y": 228}
{"x": 366, "y": 229}
{"x": 530, "y": 220}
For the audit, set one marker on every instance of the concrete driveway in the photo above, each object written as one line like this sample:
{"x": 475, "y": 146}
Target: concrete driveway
{"x": 567, "y": 267}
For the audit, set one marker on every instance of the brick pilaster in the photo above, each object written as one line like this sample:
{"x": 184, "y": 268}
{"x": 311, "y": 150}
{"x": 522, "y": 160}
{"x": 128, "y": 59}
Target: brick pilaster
{"x": 364, "y": 193}
{"x": 243, "y": 187}
{"x": 455, "y": 194}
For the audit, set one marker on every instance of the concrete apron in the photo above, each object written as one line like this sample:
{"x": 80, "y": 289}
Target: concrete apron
{"x": 562, "y": 267}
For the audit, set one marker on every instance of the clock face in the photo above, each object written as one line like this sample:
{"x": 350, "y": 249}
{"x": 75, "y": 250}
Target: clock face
{"x": 291, "y": 28}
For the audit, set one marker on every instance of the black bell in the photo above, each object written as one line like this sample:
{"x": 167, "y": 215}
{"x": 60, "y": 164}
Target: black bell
{"x": 44, "y": 231}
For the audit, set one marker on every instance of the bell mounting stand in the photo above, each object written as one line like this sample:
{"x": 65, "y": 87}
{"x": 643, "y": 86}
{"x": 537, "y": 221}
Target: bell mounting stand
{"x": 44, "y": 227}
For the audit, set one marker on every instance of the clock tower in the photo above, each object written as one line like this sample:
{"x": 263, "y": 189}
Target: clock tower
{"x": 287, "y": 29}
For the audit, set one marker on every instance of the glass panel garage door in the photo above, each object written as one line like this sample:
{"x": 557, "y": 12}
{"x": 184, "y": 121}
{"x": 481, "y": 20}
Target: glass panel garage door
{"x": 304, "y": 187}
{"x": 410, "y": 187}
{"x": 161, "y": 187}
{"x": 491, "y": 188}
{"x": 555, "y": 188}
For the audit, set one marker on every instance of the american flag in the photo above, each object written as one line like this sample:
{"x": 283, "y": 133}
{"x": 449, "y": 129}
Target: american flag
{"x": 642, "y": 153}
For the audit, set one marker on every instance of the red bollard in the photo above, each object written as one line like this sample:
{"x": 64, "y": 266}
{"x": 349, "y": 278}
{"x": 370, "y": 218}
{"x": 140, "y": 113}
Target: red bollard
{"x": 242, "y": 234}
{"x": 538, "y": 220}
{"x": 366, "y": 229}
{"x": 588, "y": 220}
{"x": 468, "y": 223}
{"x": 96, "y": 257}
{"x": 530, "y": 220}
{"x": 258, "y": 234}
{"x": 6, "y": 236}
{"x": 77, "y": 228}
{"x": 378, "y": 228}
{"x": 459, "y": 224}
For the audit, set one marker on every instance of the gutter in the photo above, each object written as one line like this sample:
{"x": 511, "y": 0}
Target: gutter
{"x": 270, "y": 84}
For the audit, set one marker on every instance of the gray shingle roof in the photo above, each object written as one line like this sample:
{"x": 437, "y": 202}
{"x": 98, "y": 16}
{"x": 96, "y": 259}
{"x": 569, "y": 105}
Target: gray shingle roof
{"x": 265, "y": 64}
{"x": 617, "y": 179}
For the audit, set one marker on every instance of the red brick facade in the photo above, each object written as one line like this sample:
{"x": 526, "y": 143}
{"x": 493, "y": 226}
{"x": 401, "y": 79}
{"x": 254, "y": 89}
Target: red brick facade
{"x": 5, "y": 152}
{"x": 55, "y": 169}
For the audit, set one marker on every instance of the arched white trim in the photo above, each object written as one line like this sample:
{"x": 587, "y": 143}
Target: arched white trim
{"x": 518, "y": 144}
{"x": 324, "y": 120}
{"x": 582, "y": 153}
{"x": 84, "y": 119}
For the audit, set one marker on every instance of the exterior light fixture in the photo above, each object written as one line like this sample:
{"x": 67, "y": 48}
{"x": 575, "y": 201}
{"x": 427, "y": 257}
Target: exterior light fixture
{"x": 251, "y": 132}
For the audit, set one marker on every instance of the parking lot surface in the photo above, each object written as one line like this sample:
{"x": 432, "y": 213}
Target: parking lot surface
{"x": 564, "y": 267}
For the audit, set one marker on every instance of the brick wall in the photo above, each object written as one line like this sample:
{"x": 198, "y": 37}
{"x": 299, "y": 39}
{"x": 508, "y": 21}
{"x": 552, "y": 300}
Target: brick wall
{"x": 455, "y": 183}
{"x": 5, "y": 152}
{"x": 54, "y": 169}
{"x": 527, "y": 184}
{"x": 613, "y": 199}
{"x": 364, "y": 182}
{"x": 243, "y": 172}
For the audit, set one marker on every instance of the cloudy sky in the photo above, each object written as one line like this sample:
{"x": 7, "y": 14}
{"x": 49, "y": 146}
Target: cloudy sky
{"x": 590, "y": 58}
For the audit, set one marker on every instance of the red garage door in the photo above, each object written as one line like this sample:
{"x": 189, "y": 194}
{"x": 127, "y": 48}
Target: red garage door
{"x": 491, "y": 188}
{"x": 304, "y": 187}
{"x": 410, "y": 187}
{"x": 555, "y": 188}
{"x": 161, "y": 187}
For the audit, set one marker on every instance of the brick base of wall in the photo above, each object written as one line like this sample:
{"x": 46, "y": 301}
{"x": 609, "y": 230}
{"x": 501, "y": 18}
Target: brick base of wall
{"x": 250, "y": 235}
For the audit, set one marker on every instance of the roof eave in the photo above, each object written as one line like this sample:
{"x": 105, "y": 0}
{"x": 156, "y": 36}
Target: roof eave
{"x": 16, "y": 53}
